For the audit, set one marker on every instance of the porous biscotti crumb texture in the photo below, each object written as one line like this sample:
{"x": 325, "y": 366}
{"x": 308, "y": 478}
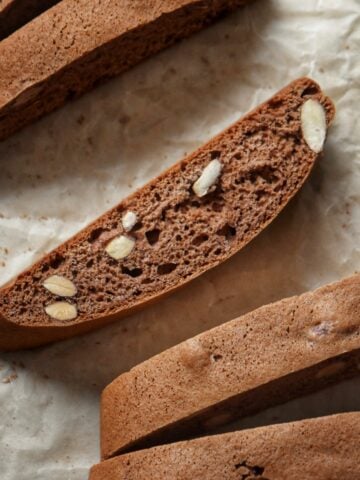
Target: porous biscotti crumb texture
{"x": 260, "y": 163}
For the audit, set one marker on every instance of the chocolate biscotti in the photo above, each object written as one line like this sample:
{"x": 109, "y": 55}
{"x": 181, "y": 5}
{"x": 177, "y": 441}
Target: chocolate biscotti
{"x": 16, "y": 13}
{"x": 277, "y": 352}
{"x": 324, "y": 448}
{"x": 191, "y": 218}
{"x": 79, "y": 43}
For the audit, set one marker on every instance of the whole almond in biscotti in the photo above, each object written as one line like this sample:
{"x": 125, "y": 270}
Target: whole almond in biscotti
{"x": 208, "y": 178}
{"x": 313, "y": 124}
{"x": 188, "y": 220}
{"x": 120, "y": 247}
{"x": 129, "y": 221}
{"x": 61, "y": 311}
{"x": 60, "y": 286}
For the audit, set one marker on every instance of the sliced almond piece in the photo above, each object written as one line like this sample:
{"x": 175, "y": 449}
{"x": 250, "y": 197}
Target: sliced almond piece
{"x": 208, "y": 178}
{"x": 61, "y": 311}
{"x": 59, "y": 285}
{"x": 129, "y": 221}
{"x": 313, "y": 124}
{"x": 120, "y": 247}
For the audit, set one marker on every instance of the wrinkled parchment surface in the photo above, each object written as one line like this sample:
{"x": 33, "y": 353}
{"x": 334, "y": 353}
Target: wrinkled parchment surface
{"x": 67, "y": 169}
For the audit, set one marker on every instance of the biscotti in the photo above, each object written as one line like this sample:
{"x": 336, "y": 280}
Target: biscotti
{"x": 277, "y": 352}
{"x": 324, "y": 448}
{"x": 79, "y": 43}
{"x": 191, "y": 218}
{"x": 16, "y": 13}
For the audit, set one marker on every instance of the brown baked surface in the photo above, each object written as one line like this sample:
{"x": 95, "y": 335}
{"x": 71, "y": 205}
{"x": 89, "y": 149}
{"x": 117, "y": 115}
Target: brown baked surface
{"x": 16, "y": 13}
{"x": 80, "y": 43}
{"x": 265, "y": 160}
{"x": 324, "y": 448}
{"x": 277, "y": 352}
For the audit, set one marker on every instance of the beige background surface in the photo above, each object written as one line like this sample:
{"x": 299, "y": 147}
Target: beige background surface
{"x": 67, "y": 169}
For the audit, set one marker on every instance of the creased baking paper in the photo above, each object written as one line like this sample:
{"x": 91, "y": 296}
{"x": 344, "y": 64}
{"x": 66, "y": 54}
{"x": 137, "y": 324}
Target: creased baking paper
{"x": 70, "y": 167}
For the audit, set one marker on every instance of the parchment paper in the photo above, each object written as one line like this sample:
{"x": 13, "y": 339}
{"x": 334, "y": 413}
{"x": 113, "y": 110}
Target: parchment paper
{"x": 61, "y": 173}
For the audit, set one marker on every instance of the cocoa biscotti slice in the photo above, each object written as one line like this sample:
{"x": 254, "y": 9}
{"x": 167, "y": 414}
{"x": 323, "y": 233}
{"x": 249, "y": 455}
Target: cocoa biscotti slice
{"x": 79, "y": 43}
{"x": 277, "y": 352}
{"x": 325, "y": 448}
{"x": 188, "y": 220}
{"x": 16, "y": 13}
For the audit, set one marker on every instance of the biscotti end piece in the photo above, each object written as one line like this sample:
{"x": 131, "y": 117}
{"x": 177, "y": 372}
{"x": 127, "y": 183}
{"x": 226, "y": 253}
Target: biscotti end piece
{"x": 287, "y": 349}
{"x": 246, "y": 175}
{"x": 324, "y": 448}
{"x": 79, "y": 44}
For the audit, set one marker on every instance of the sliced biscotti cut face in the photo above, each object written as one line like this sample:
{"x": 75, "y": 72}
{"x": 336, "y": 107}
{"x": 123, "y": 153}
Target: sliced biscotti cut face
{"x": 277, "y": 352}
{"x": 191, "y": 218}
{"x": 78, "y": 44}
{"x": 324, "y": 448}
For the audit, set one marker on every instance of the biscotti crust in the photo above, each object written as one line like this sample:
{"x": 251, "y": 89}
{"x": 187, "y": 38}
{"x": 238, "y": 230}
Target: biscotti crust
{"x": 80, "y": 43}
{"x": 179, "y": 235}
{"x": 278, "y": 352}
{"x": 324, "y": 448}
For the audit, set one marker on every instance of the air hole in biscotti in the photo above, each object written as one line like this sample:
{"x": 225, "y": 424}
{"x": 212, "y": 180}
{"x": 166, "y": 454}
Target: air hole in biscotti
{"x": 166, "y": 268}
{"x": 137, "y": 226}
{"x": 132, "y": 272}
{"x": 45, "y": 267}
{"x": 216, "y": 357}
{"x": 89, "y": 263}
{"x": 215, "y": 154}
{"x": 265, "y": 172}
{"x": 217, "y": 251}
{"x": 146, "y": 281}
{"x": 259, "y": 194}
{"x": 178, "y": 238}
{"x": 199, "y": 239}
{"x": 95, "y": 234}
{"x": 257, "y": 470}
{"x": 217, "y": 207}
{"x": 311, "y": 90}
{"x": 56, "y": 261}
{"x": 276, "y": 103}
{"x": 195, "y": 203}
{"x": 227, "y": 231}
{"x": 157, "y": 197}
{"x": 152, "y": 236}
